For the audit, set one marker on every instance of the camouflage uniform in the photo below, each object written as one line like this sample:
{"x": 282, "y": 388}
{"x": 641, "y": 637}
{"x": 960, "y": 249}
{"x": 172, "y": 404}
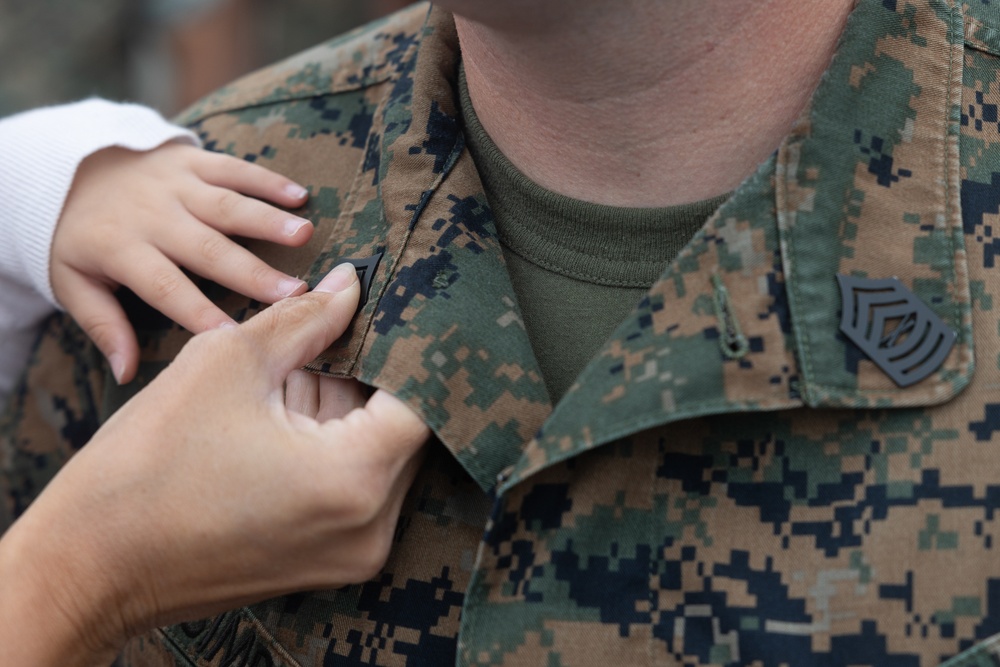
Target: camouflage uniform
{"x": 731, "y": 481}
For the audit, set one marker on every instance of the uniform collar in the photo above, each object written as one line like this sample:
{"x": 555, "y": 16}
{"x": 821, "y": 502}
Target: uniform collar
{"x": 868, "y": 186}
{"x": 746, "y": 318}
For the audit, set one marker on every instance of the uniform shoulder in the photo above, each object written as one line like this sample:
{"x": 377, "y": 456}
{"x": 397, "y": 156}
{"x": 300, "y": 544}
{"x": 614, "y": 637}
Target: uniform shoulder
{"x": 982, "y": 25}
{"x": 363, "y": 57}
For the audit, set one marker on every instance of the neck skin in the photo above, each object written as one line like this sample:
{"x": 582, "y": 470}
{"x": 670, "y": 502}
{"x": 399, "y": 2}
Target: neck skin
{"x": 643, "y": 102}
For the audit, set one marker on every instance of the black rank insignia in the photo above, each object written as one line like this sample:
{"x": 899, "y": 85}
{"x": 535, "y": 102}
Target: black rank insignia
{"x": 365, "y": 269}
{"x": 894, "y": 328}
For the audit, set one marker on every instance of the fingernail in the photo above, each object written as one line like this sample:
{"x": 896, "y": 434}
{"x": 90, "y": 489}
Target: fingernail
{"x": 117, "y": 362}
{"x": 227, "y": 325}
{"x": 293, "y": 225}
{"x": 287, "y": 286}
{"x": 296, "y": 191}
{"x": 338, "y": 280}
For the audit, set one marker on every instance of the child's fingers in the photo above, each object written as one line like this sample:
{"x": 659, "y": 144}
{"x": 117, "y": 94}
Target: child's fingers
{"x": 232, "y": 173}
{"x": 99, "y": 314}
{"x": 211, "y": 255}
{"x": 161, "y": 284}
{"x": 235, "y": 215}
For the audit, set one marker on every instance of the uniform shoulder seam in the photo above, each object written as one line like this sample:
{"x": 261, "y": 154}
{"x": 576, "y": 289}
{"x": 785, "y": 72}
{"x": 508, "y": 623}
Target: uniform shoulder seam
{"x": 364, "y": 57}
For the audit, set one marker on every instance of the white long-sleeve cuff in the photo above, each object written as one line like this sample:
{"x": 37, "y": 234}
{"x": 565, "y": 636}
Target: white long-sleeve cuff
{"x": 40, "y": 151}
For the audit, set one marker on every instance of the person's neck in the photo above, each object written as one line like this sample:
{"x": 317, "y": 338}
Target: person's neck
{"x": 664, "y": 103}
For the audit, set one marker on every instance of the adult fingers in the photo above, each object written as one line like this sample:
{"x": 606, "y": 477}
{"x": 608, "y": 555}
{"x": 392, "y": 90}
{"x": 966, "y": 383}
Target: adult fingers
{"x": 158, "y": 282}
{"x": 378, "y": 449}
{"x": 210, "y": 254}
{"x": 361, "y": 554}
{"x": 235, "y": 215}
{"x": 396, "y": 420}
{"x": 386, "y": 422}
{"x": 292, "y": 332}
{"x": 232, "y": 173}
{"x": 337, "y": 397}
{"x": 302, "y": 393}
{"x": 99, "y": 314}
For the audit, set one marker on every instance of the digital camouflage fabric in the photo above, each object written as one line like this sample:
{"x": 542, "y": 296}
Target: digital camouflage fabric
{"x": 730, "y": 481}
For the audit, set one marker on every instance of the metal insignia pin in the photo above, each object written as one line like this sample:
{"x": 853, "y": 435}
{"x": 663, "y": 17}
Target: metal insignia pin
{"x": 365, "y": 269}
{"x": 898, "y": 331}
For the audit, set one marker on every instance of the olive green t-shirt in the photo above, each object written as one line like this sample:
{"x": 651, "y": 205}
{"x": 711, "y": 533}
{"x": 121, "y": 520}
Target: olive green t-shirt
{"x": 577, "y": 268}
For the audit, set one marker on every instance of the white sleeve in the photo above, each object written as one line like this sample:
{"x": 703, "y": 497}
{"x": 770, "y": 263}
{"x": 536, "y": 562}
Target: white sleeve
{"x": 40, "y": 151}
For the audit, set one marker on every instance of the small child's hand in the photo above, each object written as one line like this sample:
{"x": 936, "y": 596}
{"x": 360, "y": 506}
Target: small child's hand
{"x": 134, "y": 218}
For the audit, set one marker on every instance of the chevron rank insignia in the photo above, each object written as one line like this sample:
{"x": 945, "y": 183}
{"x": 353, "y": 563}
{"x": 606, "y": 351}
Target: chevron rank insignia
{"x": 898, "y": 331}
{"x": 365, "y": 269}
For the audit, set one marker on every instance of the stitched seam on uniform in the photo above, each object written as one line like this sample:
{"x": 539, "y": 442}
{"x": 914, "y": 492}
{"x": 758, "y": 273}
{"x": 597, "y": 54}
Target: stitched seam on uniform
{"x": 653, "y": 538}
{"x": 962, "y": 276}
{"x": 338, "y": 225}
{"x": 533, "y": 245}
{"x": 621, "y": 430}
{"x": 175, "y": 648}
{"x": 261, "y": 632}
{"x": 970, "y": 656}
{"x": 335, "y": 90}
{"x": 541, "y": 238}
{"x": 342, "y": 223}
{"x": 404, "y": 244}
{"x": 522, "y": 251}
{"x": 955, "y": 84}
{"x": 965, "y": 334}
{"x": 974, "y": 28}
{"x": 981, "y": 22}
{"x": 262, "y": 90}
{"x": 467, "y": 621}
{"x": 265, "y": 634}
{"x": 939, "y": 387}
{"x": 791, "y": 284}
{"x": 483, "y": 477}
{"x": 934, "y": 390}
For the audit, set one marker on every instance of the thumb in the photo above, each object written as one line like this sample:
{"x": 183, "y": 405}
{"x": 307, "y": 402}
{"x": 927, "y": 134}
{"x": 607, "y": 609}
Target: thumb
{"x": 294, "y": 331}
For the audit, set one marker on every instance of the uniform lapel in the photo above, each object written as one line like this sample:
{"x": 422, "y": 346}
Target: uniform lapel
{"x": 869, "y": 188}
{"x": 747, "y": 317}
{"x": 446, "y": 335}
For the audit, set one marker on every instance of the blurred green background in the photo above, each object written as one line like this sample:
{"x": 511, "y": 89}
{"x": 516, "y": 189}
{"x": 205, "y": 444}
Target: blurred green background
{"x": 163, "y": 53}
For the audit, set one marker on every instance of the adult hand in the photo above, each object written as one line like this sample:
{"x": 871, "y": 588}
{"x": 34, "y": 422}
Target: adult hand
{"x": 205, "y": 492}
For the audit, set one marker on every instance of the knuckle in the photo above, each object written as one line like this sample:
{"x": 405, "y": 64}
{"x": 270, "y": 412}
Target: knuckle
{"x": 260, "y": 273}
{"x": 364, "y": 505}
{"x": 373, "y": 552}
{"x": 223, "y": 346}
{"x": 207, "y": 317}
{"x": 213, "y": 248}
{"x": 303, "y": 312}
{"x": 241, "y": 169}
{"x": 237, "y": 343}
{"x": 227, "y": 204}
{"x": 164, "y": 284}
{"x": 100, "y": 329}
{"x": 209, "y": 349}
{"x": 204, "y": 344}
{"x": 367, "y": 504}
